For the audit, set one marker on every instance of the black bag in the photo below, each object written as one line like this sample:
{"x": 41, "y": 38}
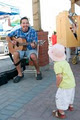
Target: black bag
{"x": 7, "y": 75}
{"x": 3, "y": 78}
{"x": 11, "y": 73}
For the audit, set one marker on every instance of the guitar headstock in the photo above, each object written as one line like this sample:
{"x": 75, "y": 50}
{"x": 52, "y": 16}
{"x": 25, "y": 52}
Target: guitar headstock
{"x": 41, "y": 42}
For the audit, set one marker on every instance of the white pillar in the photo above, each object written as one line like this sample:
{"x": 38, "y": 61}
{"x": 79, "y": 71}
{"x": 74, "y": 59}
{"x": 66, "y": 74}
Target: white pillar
{"x": 68, "y": 54}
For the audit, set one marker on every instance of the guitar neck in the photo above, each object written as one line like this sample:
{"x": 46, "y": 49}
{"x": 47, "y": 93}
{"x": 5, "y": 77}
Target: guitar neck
{"x": 40, "y": 42}
{"x": 23, "y": 44}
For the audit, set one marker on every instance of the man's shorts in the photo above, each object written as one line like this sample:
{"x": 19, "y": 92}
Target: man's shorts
{"x": 27, "y": 53}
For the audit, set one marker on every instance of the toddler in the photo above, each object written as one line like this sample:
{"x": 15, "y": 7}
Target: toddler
{"x": 65, "y": 81}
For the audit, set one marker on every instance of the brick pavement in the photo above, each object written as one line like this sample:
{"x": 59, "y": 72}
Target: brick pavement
{"x": 34, "y": 100}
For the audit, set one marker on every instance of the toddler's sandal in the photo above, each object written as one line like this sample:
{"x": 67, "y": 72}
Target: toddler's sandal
{"x": 70, "y": 108}
{"x": 58, "y": 115}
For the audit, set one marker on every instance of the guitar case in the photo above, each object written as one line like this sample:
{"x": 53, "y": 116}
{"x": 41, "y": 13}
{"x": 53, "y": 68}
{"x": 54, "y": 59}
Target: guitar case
{"x": 11, "y": 74}
{"x": 3, "y": 78}
{"x": 7, "y": 75}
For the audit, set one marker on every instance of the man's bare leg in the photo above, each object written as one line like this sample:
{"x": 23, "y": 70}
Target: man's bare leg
{"x": 16, "y": 60}
{"x": 35, "y": 62}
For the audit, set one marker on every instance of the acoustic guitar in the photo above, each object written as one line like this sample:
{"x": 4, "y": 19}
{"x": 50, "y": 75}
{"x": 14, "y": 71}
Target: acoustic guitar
{"x": 21, "y": 45}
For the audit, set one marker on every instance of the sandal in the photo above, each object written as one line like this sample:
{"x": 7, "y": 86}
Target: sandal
{"x": 18, "y": 78}
{"x": 57, "y": 114}
{"x": 70, "y": 108}
{"x": 39, "y": 76}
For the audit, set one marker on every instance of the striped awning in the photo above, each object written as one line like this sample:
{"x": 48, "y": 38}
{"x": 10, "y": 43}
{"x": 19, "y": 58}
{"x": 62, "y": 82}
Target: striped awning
{"x": 6, "y": 9}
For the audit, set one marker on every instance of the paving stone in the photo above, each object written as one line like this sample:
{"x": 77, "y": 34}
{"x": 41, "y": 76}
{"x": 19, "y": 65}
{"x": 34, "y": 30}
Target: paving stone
{"x": 31, "y": 99}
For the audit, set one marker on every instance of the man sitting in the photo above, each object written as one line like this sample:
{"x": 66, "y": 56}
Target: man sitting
{"x": 30, "y": 35}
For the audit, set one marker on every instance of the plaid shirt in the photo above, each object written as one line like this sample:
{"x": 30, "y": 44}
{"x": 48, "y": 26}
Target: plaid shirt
{"x": 30, "y": 36}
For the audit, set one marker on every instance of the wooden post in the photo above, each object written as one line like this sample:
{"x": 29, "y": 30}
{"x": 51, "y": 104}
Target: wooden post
{"x": 72, "y": 6}
{"x": 36, "y": 14}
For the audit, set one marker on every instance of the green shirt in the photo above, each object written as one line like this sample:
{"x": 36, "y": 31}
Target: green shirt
{"x": 68, "y": 80}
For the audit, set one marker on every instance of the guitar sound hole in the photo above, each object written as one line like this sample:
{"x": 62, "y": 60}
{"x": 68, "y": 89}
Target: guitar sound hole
{"x": 13, "y": 46}
{"x": 17, "y": 44}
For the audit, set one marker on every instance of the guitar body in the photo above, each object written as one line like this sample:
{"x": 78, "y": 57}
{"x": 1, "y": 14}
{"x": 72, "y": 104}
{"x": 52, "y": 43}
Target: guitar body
{"x": 12, "y": 48}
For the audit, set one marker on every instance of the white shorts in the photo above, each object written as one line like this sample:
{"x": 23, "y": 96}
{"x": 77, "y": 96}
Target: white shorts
{"x": 64, "y": 97}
